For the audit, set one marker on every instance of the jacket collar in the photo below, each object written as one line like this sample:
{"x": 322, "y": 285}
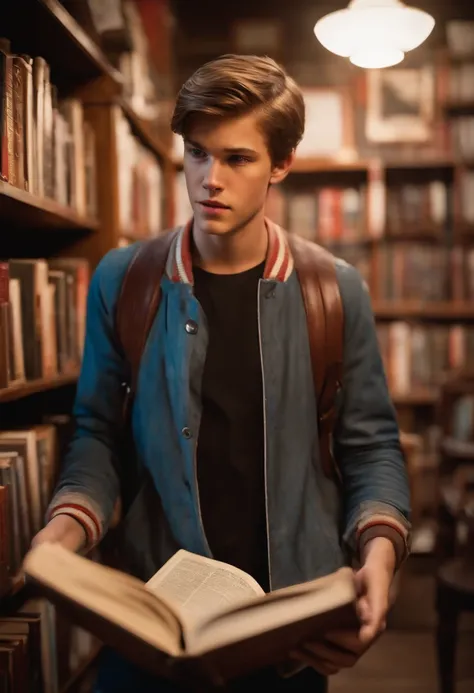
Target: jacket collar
{"x": 278, "y": 265}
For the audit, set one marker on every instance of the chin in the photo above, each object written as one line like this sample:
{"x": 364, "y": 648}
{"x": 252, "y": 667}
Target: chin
{"x": 215, "y": 227}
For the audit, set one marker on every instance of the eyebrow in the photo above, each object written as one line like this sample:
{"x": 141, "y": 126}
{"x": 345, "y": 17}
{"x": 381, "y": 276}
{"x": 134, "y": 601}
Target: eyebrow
{"x": 227, "y": 150}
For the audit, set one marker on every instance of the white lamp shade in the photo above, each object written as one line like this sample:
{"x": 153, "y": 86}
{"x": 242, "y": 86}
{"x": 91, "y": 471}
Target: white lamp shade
{"x": 380, "y": 28}
{"x": 373, "y": 58}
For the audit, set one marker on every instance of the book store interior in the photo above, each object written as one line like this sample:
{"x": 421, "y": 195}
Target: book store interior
{"x": 91, "y": 167}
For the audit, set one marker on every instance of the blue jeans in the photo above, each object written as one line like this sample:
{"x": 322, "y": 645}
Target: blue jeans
{"x": 117, "y": 675}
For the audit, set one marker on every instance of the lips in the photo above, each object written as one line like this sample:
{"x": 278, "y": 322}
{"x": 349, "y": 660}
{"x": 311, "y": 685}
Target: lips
{"x": 212, "y": 204}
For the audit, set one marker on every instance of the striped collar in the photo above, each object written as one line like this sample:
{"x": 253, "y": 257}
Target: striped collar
{"x": 278, "y": 265}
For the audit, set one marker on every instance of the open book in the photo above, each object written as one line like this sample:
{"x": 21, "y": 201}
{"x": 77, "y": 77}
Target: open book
{"x": 197, "y": 618}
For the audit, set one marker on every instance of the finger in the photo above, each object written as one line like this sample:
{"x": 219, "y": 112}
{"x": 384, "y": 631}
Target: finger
{"x": 322, "y": 667}
{"x": 373, "y": 606}
{"x": 363, "y": 609}
{"x": 371, "y": 630}
{"x": 347, "y": 640}
{"x": 333, "y": 655}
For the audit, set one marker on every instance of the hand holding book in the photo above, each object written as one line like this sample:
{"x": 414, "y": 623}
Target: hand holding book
{"x": 196, "y": 618}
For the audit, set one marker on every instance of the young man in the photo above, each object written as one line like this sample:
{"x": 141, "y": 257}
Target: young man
{"x": 224, "y": 417}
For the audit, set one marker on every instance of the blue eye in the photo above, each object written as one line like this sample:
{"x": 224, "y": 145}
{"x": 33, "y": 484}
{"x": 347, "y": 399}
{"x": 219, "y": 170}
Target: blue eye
{"x": 197, "y": 153}
{"x": 239, "y": 159}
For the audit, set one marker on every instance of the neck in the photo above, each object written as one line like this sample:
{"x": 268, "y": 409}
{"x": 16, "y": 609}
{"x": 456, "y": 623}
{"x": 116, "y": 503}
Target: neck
{"x": 233, "y": 252}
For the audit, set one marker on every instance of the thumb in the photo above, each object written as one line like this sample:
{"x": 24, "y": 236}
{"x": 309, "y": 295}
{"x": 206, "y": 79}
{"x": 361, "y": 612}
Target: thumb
{"x": 372, "y": 605}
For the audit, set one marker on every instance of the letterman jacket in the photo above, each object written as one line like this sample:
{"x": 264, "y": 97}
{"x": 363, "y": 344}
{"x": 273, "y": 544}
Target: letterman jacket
{"x": 313, "y": 528}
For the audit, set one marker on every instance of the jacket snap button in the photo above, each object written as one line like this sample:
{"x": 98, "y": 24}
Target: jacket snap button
{"x": 186, "y": 433}
{"x": 191, "y": 327}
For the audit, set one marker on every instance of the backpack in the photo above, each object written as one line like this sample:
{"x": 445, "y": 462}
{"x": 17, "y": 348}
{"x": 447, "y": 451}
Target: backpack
{"x": 139, "y": 300}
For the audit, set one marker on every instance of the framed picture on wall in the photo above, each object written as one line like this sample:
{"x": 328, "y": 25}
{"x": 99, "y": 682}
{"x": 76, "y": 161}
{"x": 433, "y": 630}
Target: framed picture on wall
{"x": 329, "y": 131}
{"x": 400, "y": 105}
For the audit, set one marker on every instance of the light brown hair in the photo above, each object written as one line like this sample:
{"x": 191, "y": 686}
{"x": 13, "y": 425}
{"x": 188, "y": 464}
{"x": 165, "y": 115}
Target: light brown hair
{"x": 235, "y": 85}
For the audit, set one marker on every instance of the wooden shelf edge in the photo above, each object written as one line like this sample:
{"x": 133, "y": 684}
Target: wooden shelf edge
{"x": 32, "y": 387}
{"x": 144, "y": 132}
{"x": 63, "y": 215}
{"x": 405, "y": 310}
{"x": 416, "y": 398}
{"x": 77, "y": 34}
{"x": 321, "y": 165}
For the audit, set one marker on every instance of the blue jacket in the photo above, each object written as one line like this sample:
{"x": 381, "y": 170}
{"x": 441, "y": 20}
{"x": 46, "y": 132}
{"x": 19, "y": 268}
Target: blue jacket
{"x": 313, "y": 529}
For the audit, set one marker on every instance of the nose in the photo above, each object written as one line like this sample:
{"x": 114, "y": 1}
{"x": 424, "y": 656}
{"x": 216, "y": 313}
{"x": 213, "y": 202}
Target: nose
{"x": 212, "y": 179}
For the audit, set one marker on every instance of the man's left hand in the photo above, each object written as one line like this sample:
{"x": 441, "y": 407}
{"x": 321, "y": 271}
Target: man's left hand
{"x": 342, "y": 649}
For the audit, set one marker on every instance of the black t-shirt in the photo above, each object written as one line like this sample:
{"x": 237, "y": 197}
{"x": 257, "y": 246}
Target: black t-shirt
{"x": 230, "y": 450}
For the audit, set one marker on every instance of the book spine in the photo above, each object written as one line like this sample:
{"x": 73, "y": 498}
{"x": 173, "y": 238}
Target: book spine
{"x": 18, "y": 77}
{"x": 4, "y": 326}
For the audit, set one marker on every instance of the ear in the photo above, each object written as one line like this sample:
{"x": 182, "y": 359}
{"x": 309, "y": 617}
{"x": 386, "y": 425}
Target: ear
{"x": 281, "y": 170}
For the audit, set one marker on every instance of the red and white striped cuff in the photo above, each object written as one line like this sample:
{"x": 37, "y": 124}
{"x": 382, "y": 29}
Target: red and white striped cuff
{"x": 78, "y": 507}
{"x": 388, "y": 525}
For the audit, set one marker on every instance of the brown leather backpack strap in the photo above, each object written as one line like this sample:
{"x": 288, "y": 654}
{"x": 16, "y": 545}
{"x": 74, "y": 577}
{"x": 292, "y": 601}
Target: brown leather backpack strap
{"x": 138, "y": 302}
{"x": 318, "y": 280}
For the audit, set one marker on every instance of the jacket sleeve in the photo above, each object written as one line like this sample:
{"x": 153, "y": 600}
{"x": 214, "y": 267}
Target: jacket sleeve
{"x": 88, "y": 487}
{"x": 366, "y": 436}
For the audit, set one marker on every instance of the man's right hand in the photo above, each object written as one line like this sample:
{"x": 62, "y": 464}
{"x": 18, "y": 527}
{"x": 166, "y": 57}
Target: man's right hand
{"x": 64, "y": 530}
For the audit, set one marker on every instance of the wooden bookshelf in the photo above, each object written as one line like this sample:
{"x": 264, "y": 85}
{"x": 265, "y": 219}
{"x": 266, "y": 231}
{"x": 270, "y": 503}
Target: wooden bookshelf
{"x": 45, "y": 27}
{"x": 33, "y": 387}
{"x": 315, "y": 165}
{"x": 437, "y": 232}
{"x": 460, "y": 107}
{"x": 22, "y": 208}
{"x": 35, "y": 227}
{"x": 420, "y": 310}
{"x": 416, "y": 398}
{"x": 143, "y": 130}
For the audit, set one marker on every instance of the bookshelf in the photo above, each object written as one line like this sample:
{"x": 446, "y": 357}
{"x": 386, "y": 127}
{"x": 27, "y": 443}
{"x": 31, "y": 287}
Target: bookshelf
{"x": 402, "y": 213}
{"x": 33, "y": 387}
{"x": 112, "y": 156}
{"x": 22, "y": 208}
{"x": 424, "y": 311}
{"x": 60, "y": 36}
{"x": 425, "y": 331}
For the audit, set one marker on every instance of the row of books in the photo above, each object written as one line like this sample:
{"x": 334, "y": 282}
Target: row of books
{"x": 328, "y": 213}
{"x": 42, "y": 317}
{"x": 347, "y": 214}
{"x": 141, "y": 187}
{"x": 29, "y": 464}
{"x": 419, "y": 356}
{"x": 413, "y": 271}
{"x": 39, "y": 651}
{"x": 418, "y": 207}
{"x": 425, "y": 466}
{"x": 46, "y": 146}
{"x": 464, "y": 198}
{"x": 420, "y": 272}
{"x": 462, "y": 137}
{"x": 461, "y": 83}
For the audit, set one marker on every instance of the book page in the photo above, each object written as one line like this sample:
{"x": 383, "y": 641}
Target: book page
{"x": 284, "y": 615}
{"x": 200, "y": 586}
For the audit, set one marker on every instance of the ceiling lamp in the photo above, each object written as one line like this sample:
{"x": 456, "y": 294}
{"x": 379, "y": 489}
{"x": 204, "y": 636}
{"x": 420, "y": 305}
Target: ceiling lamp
{"x": 374, "y": 33}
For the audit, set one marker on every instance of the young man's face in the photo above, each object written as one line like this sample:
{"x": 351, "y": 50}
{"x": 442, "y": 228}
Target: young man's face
{"x": 228, "y": 169}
